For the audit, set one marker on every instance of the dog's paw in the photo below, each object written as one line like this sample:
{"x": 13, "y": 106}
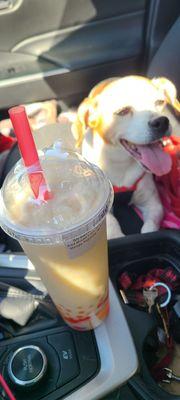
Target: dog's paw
{"x": 113, "y": 228}
{"x": 149, "y": 226}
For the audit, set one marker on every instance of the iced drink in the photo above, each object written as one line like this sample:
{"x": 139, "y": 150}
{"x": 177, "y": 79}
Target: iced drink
{"x": 64, "y": 237}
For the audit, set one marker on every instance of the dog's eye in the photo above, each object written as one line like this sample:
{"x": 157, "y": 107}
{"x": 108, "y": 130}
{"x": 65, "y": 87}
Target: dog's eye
{"x": 124, "y": 111}
{"x": 159, "y": 103}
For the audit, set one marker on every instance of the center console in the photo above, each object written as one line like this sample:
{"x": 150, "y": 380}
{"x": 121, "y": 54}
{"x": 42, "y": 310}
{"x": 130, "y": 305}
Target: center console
{"x": 48, "y": 360}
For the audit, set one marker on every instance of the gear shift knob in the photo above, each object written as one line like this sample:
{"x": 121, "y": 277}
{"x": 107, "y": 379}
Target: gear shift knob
{"x": 27, "y": 366}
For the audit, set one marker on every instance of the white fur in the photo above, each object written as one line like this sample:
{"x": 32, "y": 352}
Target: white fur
{"x": 123, "y": 170}
{"x": 146, "y": 198}
{"x": 142, "y": 96}
{"x": 107, "y": 152}
{"x": 120, "y": 167}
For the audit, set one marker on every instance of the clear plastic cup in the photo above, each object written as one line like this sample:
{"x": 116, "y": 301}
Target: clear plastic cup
{"x": 65, "y": 237}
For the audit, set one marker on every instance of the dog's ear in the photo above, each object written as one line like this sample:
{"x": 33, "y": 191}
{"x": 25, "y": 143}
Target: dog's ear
{"x": 169, "y": 90}
{"x": 87, "y": 116}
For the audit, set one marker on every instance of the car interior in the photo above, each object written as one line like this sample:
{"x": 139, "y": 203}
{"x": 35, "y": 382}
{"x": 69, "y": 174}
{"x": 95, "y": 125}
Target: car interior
{"x": 59, "y": 49}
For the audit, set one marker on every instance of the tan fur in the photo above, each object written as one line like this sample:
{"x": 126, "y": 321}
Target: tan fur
{"x": 86, "y": 108}
{"x": 169, "y": 90}
{"x": 87, "y": 115}
{"x": 96, "y": 90}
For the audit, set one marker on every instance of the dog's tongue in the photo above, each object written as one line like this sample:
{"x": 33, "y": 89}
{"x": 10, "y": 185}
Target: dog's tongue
{"x": 155, "y": 159}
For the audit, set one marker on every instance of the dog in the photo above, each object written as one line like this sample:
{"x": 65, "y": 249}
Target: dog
{"x": 120, "y": 127}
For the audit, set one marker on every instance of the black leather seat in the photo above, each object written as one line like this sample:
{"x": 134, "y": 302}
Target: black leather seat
{"x": 166, "y": 61}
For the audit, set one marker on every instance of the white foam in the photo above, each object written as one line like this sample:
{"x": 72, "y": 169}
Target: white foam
{"x": 76, "y": 188}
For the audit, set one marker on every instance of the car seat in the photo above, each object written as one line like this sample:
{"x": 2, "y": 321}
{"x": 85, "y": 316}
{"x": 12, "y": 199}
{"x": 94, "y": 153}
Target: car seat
{"x": 165, "y": 63}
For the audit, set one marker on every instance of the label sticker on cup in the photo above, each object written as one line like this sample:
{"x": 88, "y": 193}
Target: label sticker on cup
{"x": 79, "y": 245}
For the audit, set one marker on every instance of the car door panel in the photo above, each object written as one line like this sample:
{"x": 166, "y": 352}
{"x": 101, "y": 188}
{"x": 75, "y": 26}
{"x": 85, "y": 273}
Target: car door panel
{"x": 61, "y": 48}
{"x": 62, "y": 42}
{"x": 59, "y": 83}
{"x": 33, "y": 17}
{"x": 91, "y": 44}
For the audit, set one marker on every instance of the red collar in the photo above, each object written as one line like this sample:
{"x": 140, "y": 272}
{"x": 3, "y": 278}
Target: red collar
{"x": 123, "y": 189}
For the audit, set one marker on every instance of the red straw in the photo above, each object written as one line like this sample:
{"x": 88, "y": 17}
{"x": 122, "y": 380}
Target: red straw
{"x": 28, "y": 151}
{"x": 6, "y": 388}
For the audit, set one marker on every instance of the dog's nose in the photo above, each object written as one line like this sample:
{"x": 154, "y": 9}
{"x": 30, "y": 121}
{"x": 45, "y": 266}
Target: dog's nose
{"x": 159, "y": 126}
